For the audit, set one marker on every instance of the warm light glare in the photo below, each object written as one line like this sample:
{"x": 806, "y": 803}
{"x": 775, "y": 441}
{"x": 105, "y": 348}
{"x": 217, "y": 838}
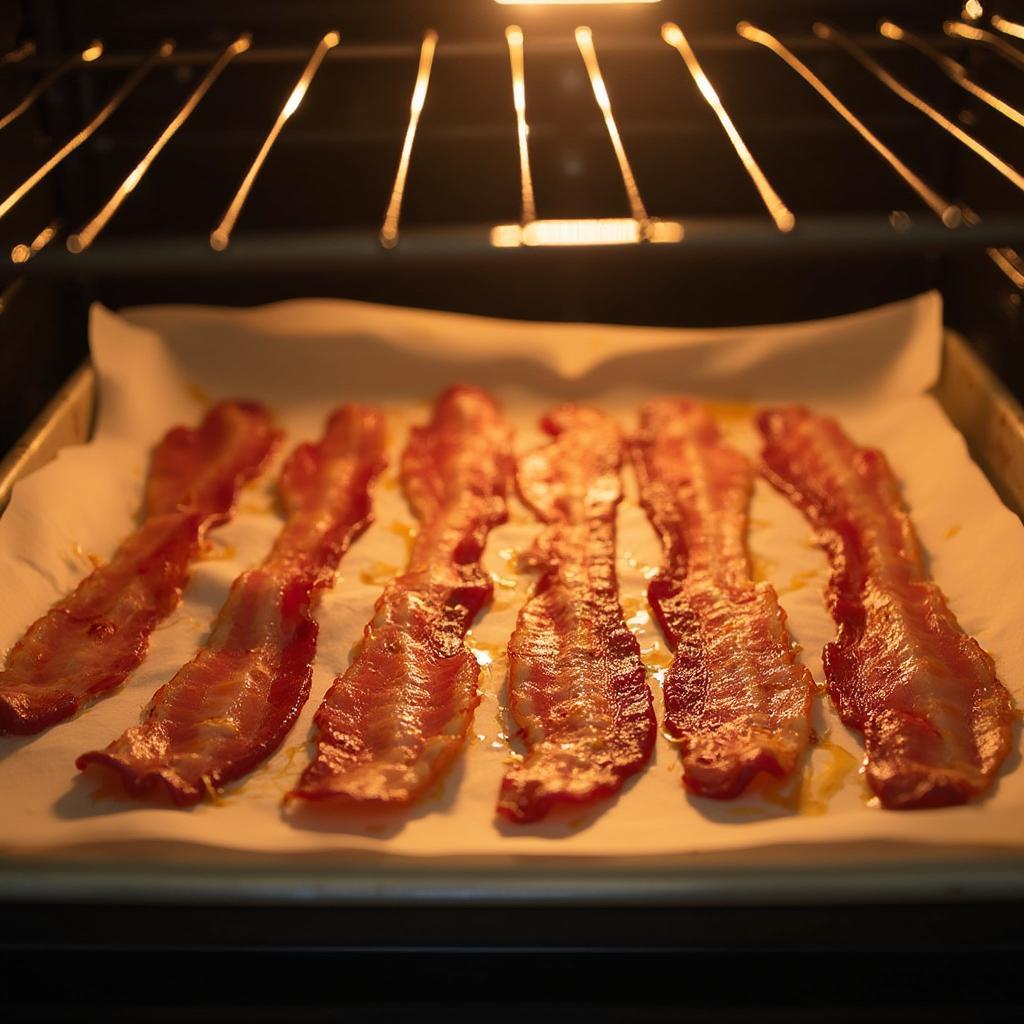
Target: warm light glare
{"x": 514, "y": 36}
{"x": 571, "y": 3}
{"x": 23, "y": 253}
{"x": 585, "y": 42}
{"x": 84, "y": 134}
{"x": 1011, "y": 28}
{"x": 93, "y": 52}
{"x": 953, "y": 70}
{"x": 389, "y": 229}
{"x": 867, "y": 62}
{"x": 780, "y": 213}
{"x": 81, "y": 240}
{"x": 959, "y": 29}
{"x": 942, "y": 208}
{"x": 585, "y": 231}
{"x": 973, "y": 10}
{"x": 220, "y": 237}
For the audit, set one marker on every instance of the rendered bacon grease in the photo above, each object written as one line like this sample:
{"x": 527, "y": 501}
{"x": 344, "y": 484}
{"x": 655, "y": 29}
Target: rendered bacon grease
{"x": 576, "y": 682}
{"x": 398, "y": 717}
{"x": 91, "y": 640}
{"x": 736, "y": 700}
{"x": 935, "y": 718}
{"x": 231, "y": 706}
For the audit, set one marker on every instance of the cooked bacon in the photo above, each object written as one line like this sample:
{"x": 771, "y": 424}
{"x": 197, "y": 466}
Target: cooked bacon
{"x": 397, "y": 718}
{"x": 736, "y": 700}
{"x": 576, "y": 682}
{"x": 935, "y": 718}
{"x": 231, "y": 706}
{"x": 92, "y": 639}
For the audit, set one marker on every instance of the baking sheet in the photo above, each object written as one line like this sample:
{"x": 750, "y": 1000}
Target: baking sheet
{"x": 160, "y": 366}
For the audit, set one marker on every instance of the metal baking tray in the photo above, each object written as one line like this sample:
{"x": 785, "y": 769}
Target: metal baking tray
{"x": 993, "y": 424}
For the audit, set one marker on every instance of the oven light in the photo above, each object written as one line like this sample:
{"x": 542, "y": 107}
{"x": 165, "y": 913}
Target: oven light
{"x": 570, "y": 3}
{"x": 585, "y": 231}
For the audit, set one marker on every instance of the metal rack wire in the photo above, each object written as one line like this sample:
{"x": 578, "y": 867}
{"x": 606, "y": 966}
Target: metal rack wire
{"x": 955, "y": 226}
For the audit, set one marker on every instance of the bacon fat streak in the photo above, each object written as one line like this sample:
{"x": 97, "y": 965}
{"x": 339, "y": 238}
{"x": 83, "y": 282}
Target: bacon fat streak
{"x": 736, "y": 699}
{"x": 935, "y": 718}
{"x": 91, "y": 640}
{"x": 398, "y": 717}
{"x": 576, "y": 681}
{"x": 232, "y": 705}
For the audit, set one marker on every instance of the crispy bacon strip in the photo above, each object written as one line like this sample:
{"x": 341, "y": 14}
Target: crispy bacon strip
{"x": 92, "y": 639}
{"x": 231, "y": 706}
{"x": 736, "y": 700}
{"x": 576, "y": 682}
{"x": 397, "y": 718}
{"x": 935, "y": 718}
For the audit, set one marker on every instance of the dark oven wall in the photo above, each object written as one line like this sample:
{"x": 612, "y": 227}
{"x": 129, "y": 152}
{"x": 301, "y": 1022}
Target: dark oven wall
{"x": 310, "y": 225}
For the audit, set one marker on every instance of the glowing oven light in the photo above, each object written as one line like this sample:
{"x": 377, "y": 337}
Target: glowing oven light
{"x": 585, "y": 231}
{"x": 571, "y": 3}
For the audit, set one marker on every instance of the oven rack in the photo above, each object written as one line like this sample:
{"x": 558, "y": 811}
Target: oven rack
{"x": 62, "y": 250}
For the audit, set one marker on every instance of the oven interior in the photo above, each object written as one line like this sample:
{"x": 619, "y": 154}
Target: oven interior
{"x": 316, "y": 223}
{"x": 311, "y": 224}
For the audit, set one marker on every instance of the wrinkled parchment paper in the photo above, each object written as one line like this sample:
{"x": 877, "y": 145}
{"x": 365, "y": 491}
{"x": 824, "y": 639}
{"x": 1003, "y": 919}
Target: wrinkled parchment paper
{"x": 161, "y": 366}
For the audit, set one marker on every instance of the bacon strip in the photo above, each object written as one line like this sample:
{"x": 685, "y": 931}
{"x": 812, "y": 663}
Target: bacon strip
{"x": 91, "y": 640}
{"x": 397, "y": 718}
{"x": 935, "y": 718}
{"x": 232, "y": 705}
{"x": 576, "y": 682}
{"x": 736, "y": 700}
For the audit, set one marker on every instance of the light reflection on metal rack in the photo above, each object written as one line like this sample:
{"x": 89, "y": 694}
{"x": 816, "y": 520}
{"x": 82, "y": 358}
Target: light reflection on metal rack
{"x": 948, "y": 213}
{"x": 91, "y": 53}
{"x": 530, "y": 231}
{"x": 1007, "y": 27}
{"x": 952, "y": 69}
{"x": 22, "y": 253}
{"x": 585, "y": 42}
{"x": 867, "y": 62}
{"x": 780, "y": 213}
{"x": 220, "y": 237}
{"x": 83, "y": 134}
{"x": 1005, "y": 258}
{"x": 81, "y": 241}
{"x": 389, "y": 229}
{"x": 958, "y": 30}
{"x": 528, "y": 206}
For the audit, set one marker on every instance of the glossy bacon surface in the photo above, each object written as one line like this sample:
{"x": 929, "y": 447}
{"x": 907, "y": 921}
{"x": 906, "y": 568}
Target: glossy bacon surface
{"x": 736, "y": 699}
{"x": 232, "y": 705}
{"x": 936, "y": 720}
{"x": 576, "y": 682}
{"x": 398, "y": 717}
{"x": 92, "y": 639}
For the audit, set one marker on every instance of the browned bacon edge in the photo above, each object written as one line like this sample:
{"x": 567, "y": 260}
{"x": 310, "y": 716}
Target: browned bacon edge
{"x": 736, "y": 699}
{"x": 91, "y": 640}
{"x": 577, "y": 690}
{"x": 398, "y": 717}
{"x": 232, "y": 705}
{"x": 936, "y": 720}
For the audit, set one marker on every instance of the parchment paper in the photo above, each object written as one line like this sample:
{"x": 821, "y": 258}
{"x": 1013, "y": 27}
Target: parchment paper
{"x": 161, "y": 366}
